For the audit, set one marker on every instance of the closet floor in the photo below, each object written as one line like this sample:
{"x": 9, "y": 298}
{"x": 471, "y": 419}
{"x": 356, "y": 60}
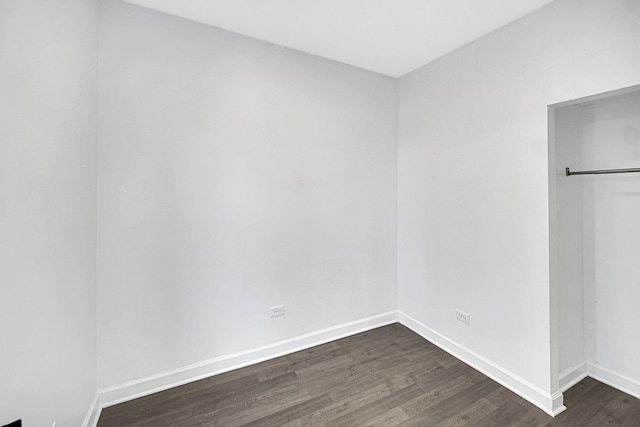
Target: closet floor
{"x": 388, "y": 376}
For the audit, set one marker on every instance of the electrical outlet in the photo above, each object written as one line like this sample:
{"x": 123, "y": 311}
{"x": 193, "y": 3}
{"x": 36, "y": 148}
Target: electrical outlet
{"x": 276, "y": 311}
{"x": 463, "y": 317}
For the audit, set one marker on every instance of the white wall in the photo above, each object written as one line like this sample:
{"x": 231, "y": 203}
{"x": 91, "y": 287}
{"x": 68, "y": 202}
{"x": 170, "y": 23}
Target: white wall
{"x": 473, "y": 227}
{"x": 234, "y": 175}
{"x": 48, "y": 53}
{"x": 570, "y": 290}
{"x": 611, "y": 140}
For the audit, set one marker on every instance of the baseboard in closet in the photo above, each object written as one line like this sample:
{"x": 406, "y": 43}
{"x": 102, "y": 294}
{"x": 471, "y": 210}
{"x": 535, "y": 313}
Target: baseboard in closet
{"x": 572, "y": 376}
{"x": 575, "y": 374}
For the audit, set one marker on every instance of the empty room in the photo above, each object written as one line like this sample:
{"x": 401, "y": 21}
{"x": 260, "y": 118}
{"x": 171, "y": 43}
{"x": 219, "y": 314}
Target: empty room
{"x": 319, "y": 213}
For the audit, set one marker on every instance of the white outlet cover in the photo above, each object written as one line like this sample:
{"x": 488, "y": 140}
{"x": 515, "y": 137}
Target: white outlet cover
{"x": 463, "y": 317}
{"x": 276, "y": 311}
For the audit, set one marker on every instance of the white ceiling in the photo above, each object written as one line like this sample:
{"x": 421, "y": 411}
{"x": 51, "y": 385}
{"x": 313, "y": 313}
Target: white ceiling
{"x": 391, "y": 37}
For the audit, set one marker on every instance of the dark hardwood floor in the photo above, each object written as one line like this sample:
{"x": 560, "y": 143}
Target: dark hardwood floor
{"x": 389, "y": 376}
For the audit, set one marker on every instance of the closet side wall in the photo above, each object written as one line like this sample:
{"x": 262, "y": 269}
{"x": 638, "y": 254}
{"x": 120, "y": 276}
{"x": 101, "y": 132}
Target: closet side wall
{"x": 568, "y": 132}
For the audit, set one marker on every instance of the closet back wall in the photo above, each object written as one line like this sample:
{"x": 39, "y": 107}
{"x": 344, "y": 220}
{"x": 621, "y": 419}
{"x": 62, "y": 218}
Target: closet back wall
{"x": 611, "y": 140}
{"x": 234, "y": 175}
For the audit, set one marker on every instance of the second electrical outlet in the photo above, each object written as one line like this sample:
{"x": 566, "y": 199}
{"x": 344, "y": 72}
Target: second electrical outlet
{"x": 276, "y": 311}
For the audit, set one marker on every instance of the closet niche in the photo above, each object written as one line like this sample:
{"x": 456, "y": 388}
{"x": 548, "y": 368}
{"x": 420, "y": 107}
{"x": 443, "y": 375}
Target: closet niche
{"x": 595, "y": 226}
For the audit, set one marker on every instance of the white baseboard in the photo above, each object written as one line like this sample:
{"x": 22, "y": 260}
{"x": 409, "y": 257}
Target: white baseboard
{"x": 93, "y": 414}
{"x": 572, "y": 376}
{"x": 550, "y": 403}
{"x": 614, "y": 379}
{"x": 109, "y": 396}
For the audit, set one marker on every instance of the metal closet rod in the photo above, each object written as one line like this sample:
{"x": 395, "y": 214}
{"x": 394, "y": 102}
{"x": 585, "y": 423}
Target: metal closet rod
{"x": 599, "y": 172}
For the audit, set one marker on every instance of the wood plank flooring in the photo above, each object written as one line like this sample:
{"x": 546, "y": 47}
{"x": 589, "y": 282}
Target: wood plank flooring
{"x": 389, "y": 376}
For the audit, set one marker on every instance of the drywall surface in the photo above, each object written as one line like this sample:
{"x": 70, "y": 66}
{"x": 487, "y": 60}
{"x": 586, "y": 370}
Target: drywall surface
{"x": 48, "y": 55}
{"x": 611, "y": 140}
{"x": 570, "y": 295}
{"x": 233, "y": 176}
{"x": 473, "y": 211}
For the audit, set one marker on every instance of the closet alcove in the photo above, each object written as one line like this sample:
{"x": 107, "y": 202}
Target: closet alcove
{"x": 595, "y": 240}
